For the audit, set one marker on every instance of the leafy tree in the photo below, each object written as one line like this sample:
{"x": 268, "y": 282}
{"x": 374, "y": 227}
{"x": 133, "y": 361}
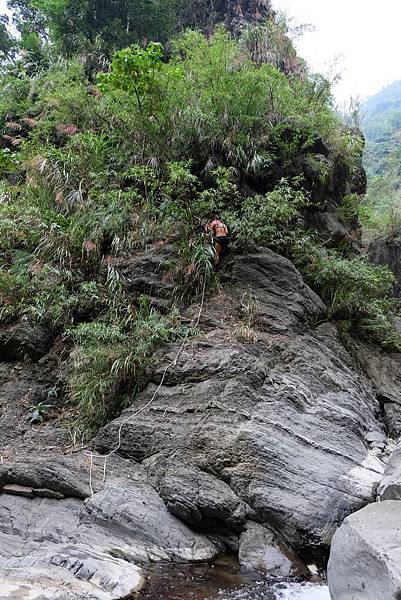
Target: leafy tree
{"x": 134, "y": 70}
{"x": 7, "y": 42}
{"x": 27, "y": 17}
{"x": 76, "y": 25}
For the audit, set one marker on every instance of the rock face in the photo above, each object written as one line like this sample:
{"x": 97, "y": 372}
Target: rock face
{"x": 235, "y": 14}
{"x": 390, "y": 485}
{"x": 149, "y": 273}
{"x": 265, "y": 405}
{"x": 264, "y": 434}
{"x": 67, "y": 548}
{"x": 24, "y": 340}
{"x": 196, "y": 497}
{"x": 329, "y": 181}
{"x": 384, "y": 372}
{"x": 260, "y": 549}
{"x": 365, "y": 560}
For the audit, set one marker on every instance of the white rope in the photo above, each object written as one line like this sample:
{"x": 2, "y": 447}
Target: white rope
{"x": 90, "y": 475}
{"x": 145, "y": 406}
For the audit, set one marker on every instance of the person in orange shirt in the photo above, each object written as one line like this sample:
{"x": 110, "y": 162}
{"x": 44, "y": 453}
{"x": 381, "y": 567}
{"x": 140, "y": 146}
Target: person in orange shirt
{"x": 220, "y": 237}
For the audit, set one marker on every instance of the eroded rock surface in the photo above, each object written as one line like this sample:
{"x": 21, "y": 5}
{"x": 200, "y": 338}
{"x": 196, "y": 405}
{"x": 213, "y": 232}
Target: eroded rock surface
{"x": 261, "y": 549}
{"x": 390, "y": 485}
{"x": 263, "y": 422}
{"x": 196, "y": 497}
{"x": 264, "y": 402}
{"x": 57, "y": 549}
{"x": 384, "y": 372}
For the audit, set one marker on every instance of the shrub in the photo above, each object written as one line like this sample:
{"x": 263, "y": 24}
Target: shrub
{"x": 195, "y": 270}
{"x": 16, "y": 291}
{"x": 349, "y": 209}
{"x": 275, "y": 219}
{"x": 110, "y": 354}
{"x": 356, "y": 292}
{"x": 211, "y": 103}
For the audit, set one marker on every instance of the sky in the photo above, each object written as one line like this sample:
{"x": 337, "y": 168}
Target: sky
{"x": 364, "y": 34}
{"x": 362, "y": 37}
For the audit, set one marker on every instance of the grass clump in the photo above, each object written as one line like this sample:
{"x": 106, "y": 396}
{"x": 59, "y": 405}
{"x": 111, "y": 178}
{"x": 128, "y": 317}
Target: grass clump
{"x": 110, "y": 356}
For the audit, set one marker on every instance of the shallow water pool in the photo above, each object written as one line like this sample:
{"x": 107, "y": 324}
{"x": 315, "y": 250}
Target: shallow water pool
{"x": 223, "y": 580}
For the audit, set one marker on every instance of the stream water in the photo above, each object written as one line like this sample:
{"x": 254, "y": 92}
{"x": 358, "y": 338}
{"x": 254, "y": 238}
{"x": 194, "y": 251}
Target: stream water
{"x": 222, "y": 581}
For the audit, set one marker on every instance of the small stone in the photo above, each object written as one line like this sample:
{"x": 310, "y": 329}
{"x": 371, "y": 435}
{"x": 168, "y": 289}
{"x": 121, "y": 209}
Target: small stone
{"x": 375, "y": 436}
{"x": 46, "y": 493}
{"x": 18, "y": 490}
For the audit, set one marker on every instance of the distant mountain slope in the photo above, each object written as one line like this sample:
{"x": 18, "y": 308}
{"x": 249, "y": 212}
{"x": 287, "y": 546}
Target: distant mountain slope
{"x": 381, "y": 123}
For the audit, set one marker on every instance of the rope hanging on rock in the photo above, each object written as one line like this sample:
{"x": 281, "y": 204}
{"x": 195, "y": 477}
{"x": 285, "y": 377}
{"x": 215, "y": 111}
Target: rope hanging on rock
{"x": 145, "y": 406}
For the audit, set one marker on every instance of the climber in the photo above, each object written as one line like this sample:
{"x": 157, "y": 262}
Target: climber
{"x": 220, "y": 237}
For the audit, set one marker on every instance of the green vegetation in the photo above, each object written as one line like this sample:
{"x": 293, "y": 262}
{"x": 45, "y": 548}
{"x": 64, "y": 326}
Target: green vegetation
{"x": 110, "y": 355}
{"x": 381, "y": 211}
{"x": 276, "y": 219}
{"x": 38, "y": 412}
{"x": 95, "y": 169}
{"x": 357, "y": 293}
{"x": 381, "y": 122}
{"x": 7, "y": 44}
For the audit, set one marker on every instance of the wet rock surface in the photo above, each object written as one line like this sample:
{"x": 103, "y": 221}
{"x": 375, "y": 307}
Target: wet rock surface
{"x": 365, "y": 559}
{"x": 263, "y": 550}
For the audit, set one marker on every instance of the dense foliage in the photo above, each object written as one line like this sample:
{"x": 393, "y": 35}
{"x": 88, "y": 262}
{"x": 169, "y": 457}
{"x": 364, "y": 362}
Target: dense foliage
{"x": 94, "y": 29}
{"x": 357, "y": 293}
{"x": 381, "y": 122}
{"x": 96, "y": 171}
{"x": 7, "y": 44}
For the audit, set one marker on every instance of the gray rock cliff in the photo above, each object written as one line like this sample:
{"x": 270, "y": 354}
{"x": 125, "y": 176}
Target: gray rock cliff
{"x": 265, "y": 428}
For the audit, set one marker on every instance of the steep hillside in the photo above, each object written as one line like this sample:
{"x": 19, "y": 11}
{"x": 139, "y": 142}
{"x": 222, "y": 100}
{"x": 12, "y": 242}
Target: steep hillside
{"x": 381, "y": 124}
{"x": 156, "y": 405}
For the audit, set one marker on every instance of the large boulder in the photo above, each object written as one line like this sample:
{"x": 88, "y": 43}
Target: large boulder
{"x": 264, "y": 402}
{"x": 365, "y": 558}
{"x": 196, "y": 497}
